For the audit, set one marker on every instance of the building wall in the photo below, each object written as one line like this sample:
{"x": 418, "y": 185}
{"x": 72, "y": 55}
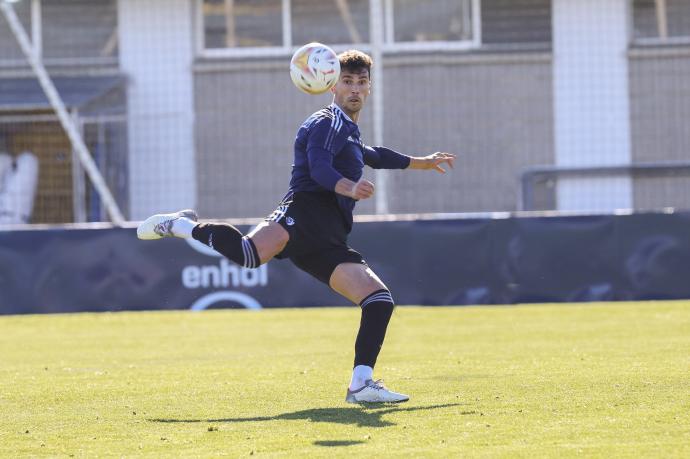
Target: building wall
{"x": 235, "y": 119}
{"x": 246, "y": 120}
{"x": 660, "y": 120}
{"x": 494, "y": 111}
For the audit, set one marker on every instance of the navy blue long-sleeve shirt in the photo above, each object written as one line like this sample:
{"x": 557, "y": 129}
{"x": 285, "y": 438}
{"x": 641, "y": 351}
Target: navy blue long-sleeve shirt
{"x": 328, "y": 147}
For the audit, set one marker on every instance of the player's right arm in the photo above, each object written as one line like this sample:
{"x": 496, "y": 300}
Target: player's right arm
{"x": 322, "y": 144}
{"x": 356, "y": 190}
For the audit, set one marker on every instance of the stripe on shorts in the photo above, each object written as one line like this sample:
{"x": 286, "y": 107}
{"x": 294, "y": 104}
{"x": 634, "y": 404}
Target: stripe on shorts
{"x": 278, "y": 214}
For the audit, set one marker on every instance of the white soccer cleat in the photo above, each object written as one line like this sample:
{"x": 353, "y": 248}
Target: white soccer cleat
{"x": 374, "y": 392}
{"x": 160, "y": 225}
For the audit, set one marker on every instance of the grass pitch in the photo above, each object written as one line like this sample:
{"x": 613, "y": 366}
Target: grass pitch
{"x": 553, "y": 380}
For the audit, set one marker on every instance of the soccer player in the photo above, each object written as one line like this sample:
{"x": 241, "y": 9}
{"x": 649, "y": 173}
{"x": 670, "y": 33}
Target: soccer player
{"x": 312, "y": 222}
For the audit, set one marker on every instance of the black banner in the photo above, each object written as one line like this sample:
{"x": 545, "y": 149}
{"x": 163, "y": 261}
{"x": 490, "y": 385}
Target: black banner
{"x": 425, "y": 262}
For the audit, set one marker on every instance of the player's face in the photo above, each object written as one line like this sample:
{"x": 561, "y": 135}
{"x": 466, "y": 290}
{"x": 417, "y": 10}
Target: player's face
{"x": 351, "y": 91}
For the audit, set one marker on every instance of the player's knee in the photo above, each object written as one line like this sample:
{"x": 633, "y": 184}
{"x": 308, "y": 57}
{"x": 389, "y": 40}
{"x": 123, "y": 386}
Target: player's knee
{"x": 381, "y": 299}
{"x": 281, "y": 238}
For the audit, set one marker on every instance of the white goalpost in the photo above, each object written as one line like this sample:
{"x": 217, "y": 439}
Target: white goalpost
{"x": 66, "y": 121}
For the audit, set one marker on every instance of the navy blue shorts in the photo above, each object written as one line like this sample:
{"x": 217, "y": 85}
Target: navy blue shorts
{"x": 318, "y": 233}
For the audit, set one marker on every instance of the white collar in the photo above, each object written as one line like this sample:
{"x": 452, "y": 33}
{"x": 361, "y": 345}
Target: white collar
{"x": 340, "y": 110}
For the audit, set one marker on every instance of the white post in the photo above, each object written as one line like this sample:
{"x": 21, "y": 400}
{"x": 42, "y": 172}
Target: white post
{"x": 591, "y": 101}
{"x": 62, "y": 114}
{"x": 157, "y": 53}
{"x": 661, "y": 19}
{"x": 376, "y": 37}
{"x": 389, "y": 21}
{"x": 476, "y": 22}
{"x": 286, "y": 19}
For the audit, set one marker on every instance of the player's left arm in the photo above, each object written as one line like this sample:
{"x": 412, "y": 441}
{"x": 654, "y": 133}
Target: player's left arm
{"x": 385, "y": 158}
{"x": 433, "y": 161}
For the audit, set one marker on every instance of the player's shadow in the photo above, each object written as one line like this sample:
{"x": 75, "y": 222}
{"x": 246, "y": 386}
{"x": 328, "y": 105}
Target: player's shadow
{"x": 362, "y": 416}
{"x": 336, "y": 443}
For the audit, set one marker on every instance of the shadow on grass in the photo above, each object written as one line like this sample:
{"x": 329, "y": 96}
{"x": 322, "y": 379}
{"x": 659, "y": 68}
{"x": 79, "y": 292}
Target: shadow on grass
{"x": 338, "y": 442}
{"x": 362, "y": 416}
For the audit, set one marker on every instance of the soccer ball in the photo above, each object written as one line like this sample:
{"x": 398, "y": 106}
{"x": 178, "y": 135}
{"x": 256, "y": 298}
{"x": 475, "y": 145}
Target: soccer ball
{"x": 314, "y": 68}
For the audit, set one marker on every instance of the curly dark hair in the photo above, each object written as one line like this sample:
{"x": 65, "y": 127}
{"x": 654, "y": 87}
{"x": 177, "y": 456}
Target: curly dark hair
{"x": 355, "y": 61}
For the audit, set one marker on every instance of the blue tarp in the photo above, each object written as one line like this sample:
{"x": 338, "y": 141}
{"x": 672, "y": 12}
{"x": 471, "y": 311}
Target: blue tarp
{"x": 425, "y": 262}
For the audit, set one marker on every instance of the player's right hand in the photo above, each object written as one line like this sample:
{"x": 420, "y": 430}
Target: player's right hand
{"x": 362, "y": 190}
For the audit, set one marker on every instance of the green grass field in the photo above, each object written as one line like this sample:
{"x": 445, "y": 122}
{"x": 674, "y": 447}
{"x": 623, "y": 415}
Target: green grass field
{"x": 606, "y": 379}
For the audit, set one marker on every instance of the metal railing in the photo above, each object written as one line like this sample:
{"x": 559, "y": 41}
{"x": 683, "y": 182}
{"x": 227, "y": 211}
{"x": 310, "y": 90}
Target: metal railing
{"x": 548, "y": 176}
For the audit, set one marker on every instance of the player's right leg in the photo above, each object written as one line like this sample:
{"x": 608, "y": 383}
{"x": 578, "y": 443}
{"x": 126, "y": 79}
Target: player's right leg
{"x": 358, "y": 283}
{"x": 263, "y": 243}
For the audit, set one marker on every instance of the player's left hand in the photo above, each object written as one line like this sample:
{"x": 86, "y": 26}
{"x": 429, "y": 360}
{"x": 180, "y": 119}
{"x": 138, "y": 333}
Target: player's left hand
{"x": 435, "y": 160}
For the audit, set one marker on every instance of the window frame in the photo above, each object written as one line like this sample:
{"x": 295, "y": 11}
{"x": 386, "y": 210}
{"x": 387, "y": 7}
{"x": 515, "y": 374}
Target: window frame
{"x": 389, "y": 45}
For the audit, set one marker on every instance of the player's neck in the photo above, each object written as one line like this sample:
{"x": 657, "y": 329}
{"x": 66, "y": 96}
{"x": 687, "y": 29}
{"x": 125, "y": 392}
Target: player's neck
{"x": 354, "y": 116}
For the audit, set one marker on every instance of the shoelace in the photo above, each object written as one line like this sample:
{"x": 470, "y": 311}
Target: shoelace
{"x": 378, "y": 385}
{"x": 163, "y": 228}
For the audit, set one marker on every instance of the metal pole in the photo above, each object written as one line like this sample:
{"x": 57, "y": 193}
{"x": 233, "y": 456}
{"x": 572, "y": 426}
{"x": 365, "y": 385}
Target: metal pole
{"x": 78, "y": 185}
{"x": 61, "y": 111}
{"x": 661, "y": 19}
{"x": 376, "y": 37}
{"x": 286, "y": 19}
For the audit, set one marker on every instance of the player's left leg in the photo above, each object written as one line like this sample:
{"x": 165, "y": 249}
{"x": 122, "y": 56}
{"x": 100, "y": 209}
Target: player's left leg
{"x": 358, "y": 283}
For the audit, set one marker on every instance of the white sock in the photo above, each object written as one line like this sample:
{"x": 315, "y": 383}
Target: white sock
{"x": 360, "y": 374}
{"x": 182, "y": 227}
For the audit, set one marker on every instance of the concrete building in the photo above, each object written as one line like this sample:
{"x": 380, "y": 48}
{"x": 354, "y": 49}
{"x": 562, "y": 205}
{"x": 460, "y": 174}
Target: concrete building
{"x": 550, "y": 104}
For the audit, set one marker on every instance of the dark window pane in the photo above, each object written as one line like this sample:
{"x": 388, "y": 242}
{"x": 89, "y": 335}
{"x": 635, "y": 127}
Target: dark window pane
{"x": 79, "y": 28}
{"x": 678, "y": 18}
{"x": 9, "y": 48}
{"x": 644, "y": 19}
{"x": 516, "y": 21}
{"x": 432, "y": 20}
{"x": 326, "y": 22}
{"x": 242, "y": 23}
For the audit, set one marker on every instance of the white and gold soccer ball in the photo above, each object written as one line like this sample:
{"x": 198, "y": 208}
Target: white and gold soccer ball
{"x": 314, "y": 68}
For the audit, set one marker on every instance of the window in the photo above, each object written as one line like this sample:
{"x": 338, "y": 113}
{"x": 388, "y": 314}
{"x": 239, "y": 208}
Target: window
{"x": 242, "y": 23}
{"x": 75, "y": 29}
{"x": 10, "y": 52}
{"x": 241, "y": 27}
{"x": 429, "y": 20}
{"x": 661, "y": 21}
{"x": 516, "y": 22}
{"x": 330, "y": 21}
{"x": 64, "y": 31}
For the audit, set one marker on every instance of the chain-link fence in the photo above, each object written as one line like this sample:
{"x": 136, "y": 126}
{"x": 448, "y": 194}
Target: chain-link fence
{"x": 550, "y": 105}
